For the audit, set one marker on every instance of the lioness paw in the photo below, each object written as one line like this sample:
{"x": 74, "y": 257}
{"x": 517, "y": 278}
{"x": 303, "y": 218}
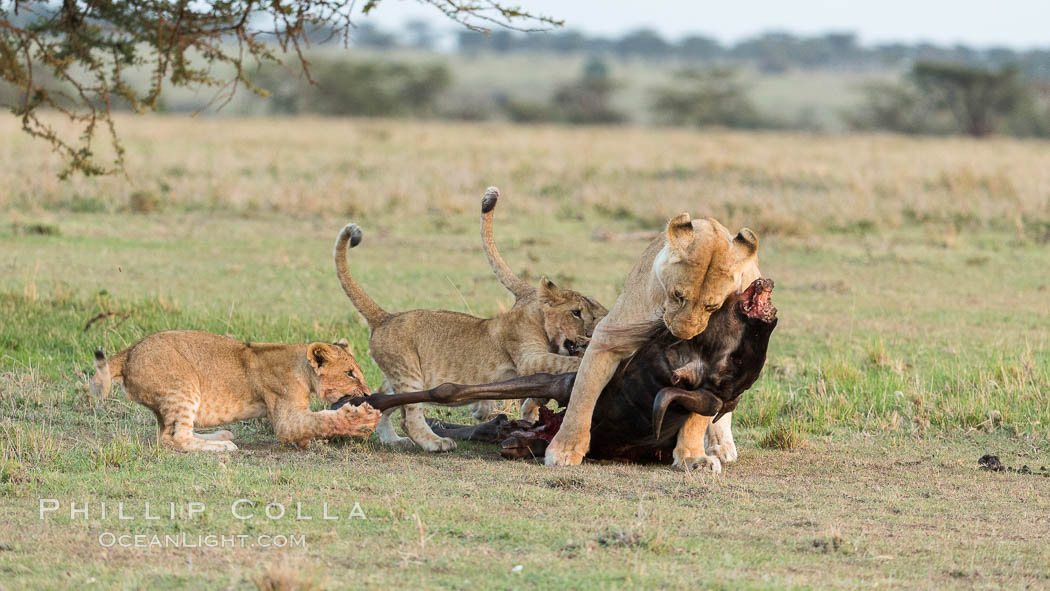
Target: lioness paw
{"x": 560, "y": 454}
{"x": 725, "y": 452}
{"x": 703, "y": 463}
{"x": 718, "y": 441}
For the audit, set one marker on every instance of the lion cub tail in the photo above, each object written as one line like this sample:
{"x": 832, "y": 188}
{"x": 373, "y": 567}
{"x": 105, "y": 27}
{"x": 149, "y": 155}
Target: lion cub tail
{"x": 102, "y": 383}
{"x": 516, "y": 285}
{"x": 374, "y": 315}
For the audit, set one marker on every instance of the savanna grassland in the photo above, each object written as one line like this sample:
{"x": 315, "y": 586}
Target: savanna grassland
{"x": 914, "y": 297}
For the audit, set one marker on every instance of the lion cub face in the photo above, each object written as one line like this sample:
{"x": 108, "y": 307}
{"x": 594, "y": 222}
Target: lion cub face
{"x": 698, "y": 269}
{"x": 337, "y": 370}
{"x": 569, "y": 318}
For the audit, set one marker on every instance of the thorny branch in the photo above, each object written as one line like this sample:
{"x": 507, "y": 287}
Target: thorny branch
{"x": 75, "y": 58}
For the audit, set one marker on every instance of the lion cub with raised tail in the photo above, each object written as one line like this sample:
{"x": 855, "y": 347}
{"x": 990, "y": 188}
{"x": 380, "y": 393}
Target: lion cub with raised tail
{"x": 192, "y": 379}
{"x": 421, "y": 349}
{"x": 589, "y": 310}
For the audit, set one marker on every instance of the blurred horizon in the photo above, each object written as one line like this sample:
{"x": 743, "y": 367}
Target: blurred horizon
{"x": 1014, "y": 24}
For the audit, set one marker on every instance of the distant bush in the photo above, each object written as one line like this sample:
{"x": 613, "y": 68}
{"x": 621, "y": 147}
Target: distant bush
{"x": 890, "y": 106}
{"x": 586, "y": 101}
{"x": 711, "y": 97}
{"x": 954, "y": 98}
{"x": 528, "y": 111}
{"x": 358, "y": 88}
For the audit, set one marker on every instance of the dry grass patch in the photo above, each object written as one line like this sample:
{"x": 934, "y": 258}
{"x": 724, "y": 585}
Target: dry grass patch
{"x": 788, "y": 435}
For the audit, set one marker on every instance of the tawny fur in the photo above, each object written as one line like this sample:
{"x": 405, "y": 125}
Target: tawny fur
{"x": 591, "y": 312}
{"x": 193, "y": 379}
{"x": 421, "y": 349}
{"x": 684, "y": 275}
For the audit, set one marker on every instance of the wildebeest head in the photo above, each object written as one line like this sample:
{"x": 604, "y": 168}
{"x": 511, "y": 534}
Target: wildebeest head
{"x": 730, "y": 355}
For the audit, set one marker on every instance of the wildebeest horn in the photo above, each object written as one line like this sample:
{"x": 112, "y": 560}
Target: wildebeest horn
{"x": 701, "y": 402}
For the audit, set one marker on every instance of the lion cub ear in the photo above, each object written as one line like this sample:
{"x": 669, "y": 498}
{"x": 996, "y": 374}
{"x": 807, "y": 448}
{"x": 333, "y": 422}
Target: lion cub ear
{"x": 745, "y": 244}
{"x": 680, "y": 232}
{"x": 548, "y": 290}
{"x": 319, "y": 354}
{"x": 343, "y": 344}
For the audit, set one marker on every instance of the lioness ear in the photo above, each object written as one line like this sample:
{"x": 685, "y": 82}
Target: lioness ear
{"x": 680, "y": 232}
{"x": 318, "y": 354}
{"x": 548, "y": 290}
{"x": 746, "y": 243}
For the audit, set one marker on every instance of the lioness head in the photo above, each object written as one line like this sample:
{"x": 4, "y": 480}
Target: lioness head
{"x": 337, "y": 370}
{"x": 569, "y": 318}
{"x": 700, "y": 266}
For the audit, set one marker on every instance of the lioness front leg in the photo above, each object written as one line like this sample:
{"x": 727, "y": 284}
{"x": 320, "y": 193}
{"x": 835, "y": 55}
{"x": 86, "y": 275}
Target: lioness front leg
{"x": 718, "y": 441}
{"x": 689, "y": 452}
{"x": 573, "y": 440}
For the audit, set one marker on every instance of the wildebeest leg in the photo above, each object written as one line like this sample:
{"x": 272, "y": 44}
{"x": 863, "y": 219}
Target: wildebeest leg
{"x": 543, "y": 385}
{"x": 487, "y": 432}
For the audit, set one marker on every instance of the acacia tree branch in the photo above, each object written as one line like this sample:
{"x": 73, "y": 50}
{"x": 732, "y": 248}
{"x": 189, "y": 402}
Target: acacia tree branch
{"x": 74, "y": 58}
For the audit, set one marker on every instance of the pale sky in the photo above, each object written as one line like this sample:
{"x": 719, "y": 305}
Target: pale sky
{"x": 1018, "y": 24}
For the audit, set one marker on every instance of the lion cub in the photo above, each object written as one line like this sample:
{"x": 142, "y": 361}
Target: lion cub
{"x": 590, "y": 312}
{"x": 192, "y": 379}
{"x": 421, "y": 349}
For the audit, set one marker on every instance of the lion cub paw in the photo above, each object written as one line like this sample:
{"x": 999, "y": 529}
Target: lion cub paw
{"x": 197, "y": 444}
{"x": 437, "y": 444}
{"x": 702, "y": 463}
{"x": 398, "y": 442}
{"x": 530, "y": 411}
{"x": 483, "y": 410}
{"x": 358, "y": 421}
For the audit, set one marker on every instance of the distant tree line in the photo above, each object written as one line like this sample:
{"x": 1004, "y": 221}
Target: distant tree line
{"x": 932, "y": 98}
{"x": 770, "y": 52}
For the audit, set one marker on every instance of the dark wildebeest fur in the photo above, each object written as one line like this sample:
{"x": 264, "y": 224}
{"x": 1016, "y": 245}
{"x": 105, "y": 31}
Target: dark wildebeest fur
{"x": 648, "y": 400}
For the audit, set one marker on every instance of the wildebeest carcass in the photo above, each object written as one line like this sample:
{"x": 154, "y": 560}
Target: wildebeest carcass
{"x": 641, "y": 410}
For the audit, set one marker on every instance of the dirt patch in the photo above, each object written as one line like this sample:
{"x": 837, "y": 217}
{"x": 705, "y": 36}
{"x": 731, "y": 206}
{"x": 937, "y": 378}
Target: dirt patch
{"x": 618, "y": 538}
{"x": 992, "y": 463}
{"x": 565, "y": 482}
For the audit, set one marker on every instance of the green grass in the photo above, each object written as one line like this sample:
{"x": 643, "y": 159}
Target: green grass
{"x": 909, "y": 345}
{"x": 899, "y": 368}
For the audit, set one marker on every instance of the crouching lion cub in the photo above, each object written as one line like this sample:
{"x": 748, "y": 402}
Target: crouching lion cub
{"x": 421, "y": 349}
{"x": 589, "y": 311}
{"x": 193, "y": 379}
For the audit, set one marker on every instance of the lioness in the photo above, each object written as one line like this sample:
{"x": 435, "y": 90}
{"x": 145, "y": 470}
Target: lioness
{"x": 589, "y": 311}
{"x": 197, "y": 379}
{"x": 684, "y": 276}
{"x": 420, "y": 349}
